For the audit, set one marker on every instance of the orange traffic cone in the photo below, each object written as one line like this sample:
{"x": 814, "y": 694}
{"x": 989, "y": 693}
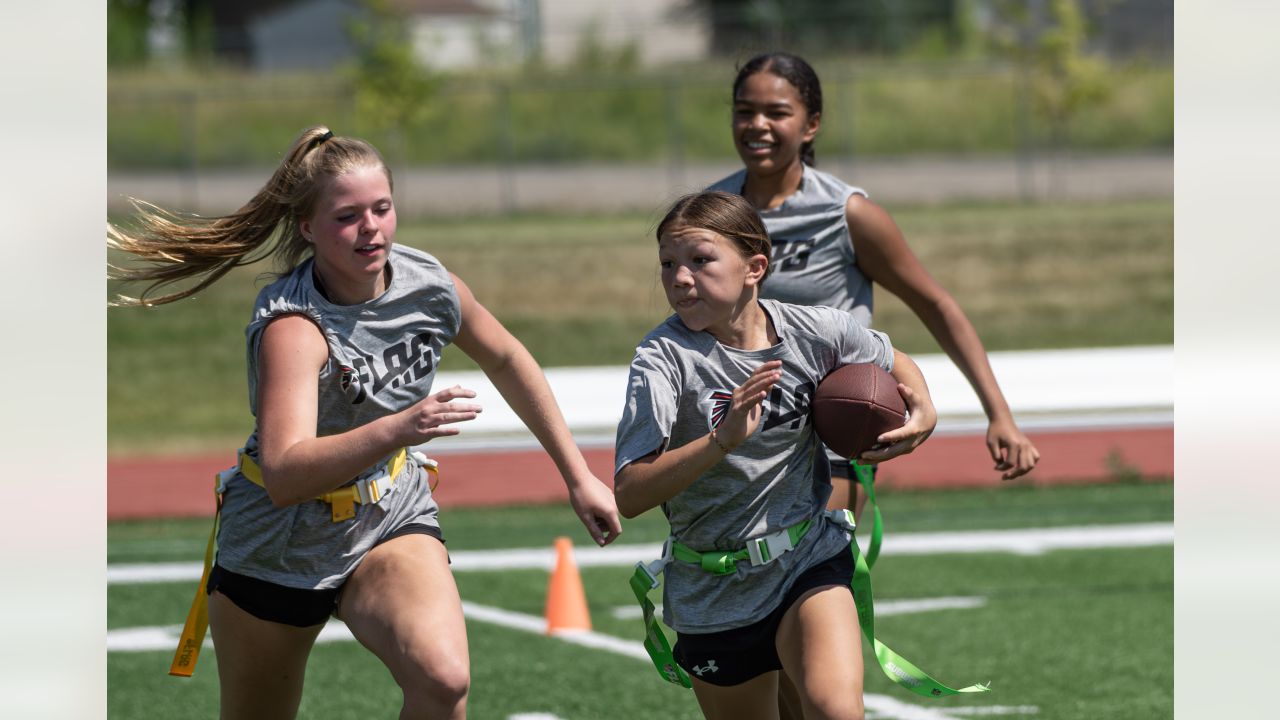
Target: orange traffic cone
{"x": 566, "y": 601}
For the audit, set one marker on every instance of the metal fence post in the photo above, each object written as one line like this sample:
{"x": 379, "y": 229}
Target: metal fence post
{"x": 507, "y": 152}
{"x": 1022, "y": 141}
{"x": 191, "y": 135}
{"x": 675, "y": 133}
{"x": 849, "y": 110}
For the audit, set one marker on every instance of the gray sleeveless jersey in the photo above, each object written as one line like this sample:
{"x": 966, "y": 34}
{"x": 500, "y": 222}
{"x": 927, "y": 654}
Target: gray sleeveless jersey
{"x": 382, "y": 359}
{"x": 680, "y": 386}
{"x": 813, "y": 257}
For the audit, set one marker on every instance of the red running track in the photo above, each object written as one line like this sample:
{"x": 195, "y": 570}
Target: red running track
{"x": 182, "y": 486}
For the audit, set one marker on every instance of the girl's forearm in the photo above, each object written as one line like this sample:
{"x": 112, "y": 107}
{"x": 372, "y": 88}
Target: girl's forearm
{"x": 655, "y": 479}
{"x": 959, "y": 340}
{"x": 318, "y": 465}
{"x": 908, "y": 373}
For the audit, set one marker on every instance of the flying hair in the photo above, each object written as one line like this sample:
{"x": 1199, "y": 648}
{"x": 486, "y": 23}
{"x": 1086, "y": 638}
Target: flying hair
{"x": 173, "y": 249}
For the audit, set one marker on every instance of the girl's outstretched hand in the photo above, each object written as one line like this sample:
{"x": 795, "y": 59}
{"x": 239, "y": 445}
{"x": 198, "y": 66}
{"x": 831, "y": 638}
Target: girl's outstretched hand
{"x": 744, "y": 412}
{"x": 593, "y": 501}
{"x": 922, "y": 418}
{"x": 432, "y": 418}
{"x": 1013, "y": 452}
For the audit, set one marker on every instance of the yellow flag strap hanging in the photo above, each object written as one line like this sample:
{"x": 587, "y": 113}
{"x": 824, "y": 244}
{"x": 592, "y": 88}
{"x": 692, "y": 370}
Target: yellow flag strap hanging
{"x": 188, "y": 652}
{"x": 342, "y": 502}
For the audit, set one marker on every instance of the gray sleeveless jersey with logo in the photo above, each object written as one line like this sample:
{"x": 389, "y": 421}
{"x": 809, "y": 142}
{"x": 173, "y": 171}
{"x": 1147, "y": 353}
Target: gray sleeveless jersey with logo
{"x": 680, "y": 384}
{"x": 382, "y": 359}
{"x": 813, "y": 257}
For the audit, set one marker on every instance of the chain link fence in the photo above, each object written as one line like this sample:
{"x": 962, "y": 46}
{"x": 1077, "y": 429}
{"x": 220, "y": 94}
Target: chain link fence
{"x": 508, "y": 145}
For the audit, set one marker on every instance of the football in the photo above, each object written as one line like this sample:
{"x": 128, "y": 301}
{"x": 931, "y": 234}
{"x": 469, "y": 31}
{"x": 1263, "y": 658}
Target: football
{"x": 854, "y": 405}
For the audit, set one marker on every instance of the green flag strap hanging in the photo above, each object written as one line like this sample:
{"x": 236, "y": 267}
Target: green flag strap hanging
{"x": 643, "y": 580}
{"x": 894, "y": 666}
{"x": 866, "y": 476}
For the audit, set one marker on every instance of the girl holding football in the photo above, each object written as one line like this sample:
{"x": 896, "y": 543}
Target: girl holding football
{"x": 715, "y": 431}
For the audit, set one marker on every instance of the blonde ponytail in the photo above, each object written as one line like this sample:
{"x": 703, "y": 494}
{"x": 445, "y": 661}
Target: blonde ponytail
{"x": 174, "y": 249}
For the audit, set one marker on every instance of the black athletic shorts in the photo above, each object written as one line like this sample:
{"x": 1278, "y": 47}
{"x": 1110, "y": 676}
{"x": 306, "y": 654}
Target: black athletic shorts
{"x": 299, "y": 607}
{"x": 731, "y": 657}
{"x": 844, "y": 469}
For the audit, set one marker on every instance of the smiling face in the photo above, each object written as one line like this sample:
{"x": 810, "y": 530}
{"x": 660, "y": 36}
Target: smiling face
{"x": 770, "y": 123}
{"x": 707, "y": 280}
{"x": 351, "y": 231}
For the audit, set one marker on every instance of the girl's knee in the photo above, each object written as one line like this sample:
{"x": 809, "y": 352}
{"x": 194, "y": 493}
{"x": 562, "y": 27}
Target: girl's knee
{"x": 839, "y": 706}
{"x": 436, "y": 683}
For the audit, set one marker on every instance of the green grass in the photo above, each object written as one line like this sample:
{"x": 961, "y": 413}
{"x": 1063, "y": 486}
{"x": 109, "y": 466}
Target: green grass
{"x": 228, "y": 119}
{"x": 1079, "y": 634}
{"x": 582, "y": 290}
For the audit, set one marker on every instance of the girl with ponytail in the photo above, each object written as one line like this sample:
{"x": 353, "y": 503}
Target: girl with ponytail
{"x": 328, "y": 510}
{"x": 831, "y": 244}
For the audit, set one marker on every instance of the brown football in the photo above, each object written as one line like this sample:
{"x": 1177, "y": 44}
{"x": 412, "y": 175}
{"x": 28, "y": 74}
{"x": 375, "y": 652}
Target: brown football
{"x": 854, "y": 405}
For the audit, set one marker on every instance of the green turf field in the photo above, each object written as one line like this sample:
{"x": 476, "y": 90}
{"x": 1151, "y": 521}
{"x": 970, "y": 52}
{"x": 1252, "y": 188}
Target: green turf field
{"x": 1065, "y": 634}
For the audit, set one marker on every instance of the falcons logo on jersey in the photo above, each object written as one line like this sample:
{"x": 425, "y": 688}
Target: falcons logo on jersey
{"x": 720, "y": 401}
{"x": 349, "y": 381}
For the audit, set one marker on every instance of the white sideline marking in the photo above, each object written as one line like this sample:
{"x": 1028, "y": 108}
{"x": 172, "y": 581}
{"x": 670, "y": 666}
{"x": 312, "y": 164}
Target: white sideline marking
{"x": 1086, "y": 381}
{"x": 884, "y": 608}
{"x": 1020, "y": 542}
{"x": 884, "y": 706}
{"x": 996, "y": 710}
{"x": 144, "y": 639}
{"x": 534, "y": 716}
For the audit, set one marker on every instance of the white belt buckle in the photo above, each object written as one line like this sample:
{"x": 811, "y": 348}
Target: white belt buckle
{"x": 654, "y": 569}
{"x": 843, "y": 518}
{"x": 423, "y": 460}
{"x": 224, "y": 477}
{"x": 372, "y": 488}
{"x": 765, "y": 550}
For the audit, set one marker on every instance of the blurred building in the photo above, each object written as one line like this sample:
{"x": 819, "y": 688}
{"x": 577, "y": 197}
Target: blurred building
{"x": 466, "y": 34}
{"x": 659, "y": 31}
{"x": 461, "y": 34}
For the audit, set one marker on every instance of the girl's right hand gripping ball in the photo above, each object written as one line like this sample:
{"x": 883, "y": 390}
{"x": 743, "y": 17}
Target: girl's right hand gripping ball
{"x": 854, "y": 405}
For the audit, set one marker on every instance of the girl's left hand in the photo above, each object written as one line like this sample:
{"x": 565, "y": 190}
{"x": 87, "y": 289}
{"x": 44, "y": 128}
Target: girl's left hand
{"x": 923, "y": 419}
{"x": 593, "y": 501}
{"x": 1013, "y": 452}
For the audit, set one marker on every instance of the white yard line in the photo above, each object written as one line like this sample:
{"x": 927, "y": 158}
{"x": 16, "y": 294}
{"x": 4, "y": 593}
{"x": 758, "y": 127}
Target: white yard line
{"x": 885, "y": 707}
{"x": 878, "y": 706}
{"x": 1019, "y": 542}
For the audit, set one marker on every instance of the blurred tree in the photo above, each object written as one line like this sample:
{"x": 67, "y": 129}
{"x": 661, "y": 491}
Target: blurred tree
{"x": 127, "y": 24}
{"x": 829, "y": 26}
{"x": 132, "y": 27}
{"x": 595, "y": 57}
{"x": 198, "y": 31}
{"x": 393, "y": 87}
{"x": 1050, "y": 44}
